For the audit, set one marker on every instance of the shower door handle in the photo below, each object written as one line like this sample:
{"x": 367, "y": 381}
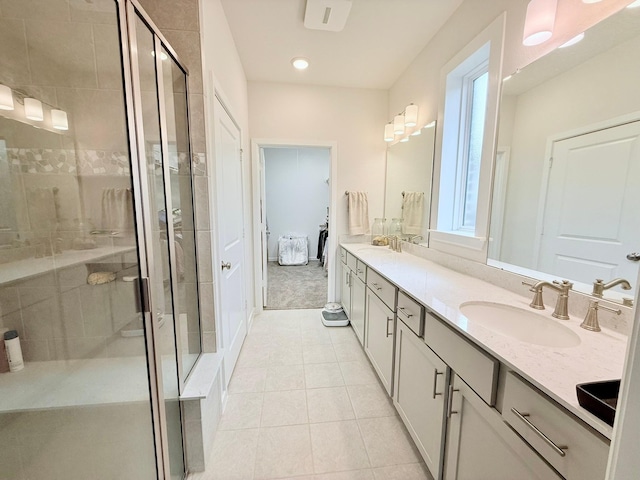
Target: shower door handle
{"x": 226, "y": 265}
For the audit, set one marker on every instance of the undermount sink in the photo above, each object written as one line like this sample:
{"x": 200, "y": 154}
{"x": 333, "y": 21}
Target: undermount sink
{"x": 520, "y": 324}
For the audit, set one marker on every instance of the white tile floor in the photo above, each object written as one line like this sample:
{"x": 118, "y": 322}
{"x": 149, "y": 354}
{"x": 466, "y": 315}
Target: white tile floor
{"x": 304, "y": 403}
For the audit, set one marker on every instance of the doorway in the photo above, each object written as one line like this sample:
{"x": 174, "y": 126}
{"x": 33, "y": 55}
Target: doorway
{"x": 297, "y": 196}
{"x": 295, "y": 212}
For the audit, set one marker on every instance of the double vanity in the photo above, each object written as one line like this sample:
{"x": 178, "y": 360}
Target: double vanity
{"x": 485, "y": 385}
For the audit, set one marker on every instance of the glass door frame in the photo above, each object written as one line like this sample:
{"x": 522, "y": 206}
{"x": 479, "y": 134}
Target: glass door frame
{"x": 128, "y": 11}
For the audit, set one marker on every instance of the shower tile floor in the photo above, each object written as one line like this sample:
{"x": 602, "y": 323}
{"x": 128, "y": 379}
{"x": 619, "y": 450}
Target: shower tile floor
{"x": 304, "y": 403}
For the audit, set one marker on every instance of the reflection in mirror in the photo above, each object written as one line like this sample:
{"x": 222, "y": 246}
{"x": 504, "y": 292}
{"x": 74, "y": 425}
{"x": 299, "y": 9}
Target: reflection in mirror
{"x": 567, "y": 175}
{"x": 408, "y": 184}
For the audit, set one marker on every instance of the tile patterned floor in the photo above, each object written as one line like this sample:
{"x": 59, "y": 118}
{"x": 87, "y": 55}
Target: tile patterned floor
{"x": 304, "y": 403}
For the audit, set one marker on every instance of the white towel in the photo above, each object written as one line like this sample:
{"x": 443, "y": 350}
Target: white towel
{"x": 117, "y": 209}
{"x": 412, "y": 212}
{"x": 358, "y": 213}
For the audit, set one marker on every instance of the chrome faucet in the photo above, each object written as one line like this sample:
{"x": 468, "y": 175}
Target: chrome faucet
{"x": 591, "y": 318}
{"x": 599, "y": 286}
{"x": 561, "y": 311}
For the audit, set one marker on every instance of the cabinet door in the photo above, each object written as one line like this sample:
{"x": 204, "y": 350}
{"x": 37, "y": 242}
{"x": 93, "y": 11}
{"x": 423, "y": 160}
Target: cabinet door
{"x": 379, "y": 338}
{"x": 480, "y": 446}
{"x": 420, "y": 385}
{"x": 358, "y": 307}
{"x": 345, "y": 289}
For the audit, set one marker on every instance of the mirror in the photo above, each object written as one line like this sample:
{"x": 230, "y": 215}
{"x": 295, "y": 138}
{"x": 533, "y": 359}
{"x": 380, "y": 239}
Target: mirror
{"x": 567, "y": 174}
{"x": 408, "y": 184}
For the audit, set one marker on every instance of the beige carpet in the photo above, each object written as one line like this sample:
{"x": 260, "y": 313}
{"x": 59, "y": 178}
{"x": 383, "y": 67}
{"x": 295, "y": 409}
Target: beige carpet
{"x": 293, "y": 286}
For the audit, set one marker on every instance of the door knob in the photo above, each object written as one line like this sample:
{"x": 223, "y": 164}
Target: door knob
{"x": 226, "y": 265}
{"x": 634, "y": 257}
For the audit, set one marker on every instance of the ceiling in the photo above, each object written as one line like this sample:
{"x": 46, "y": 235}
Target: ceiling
{"x": 379, "y": 41}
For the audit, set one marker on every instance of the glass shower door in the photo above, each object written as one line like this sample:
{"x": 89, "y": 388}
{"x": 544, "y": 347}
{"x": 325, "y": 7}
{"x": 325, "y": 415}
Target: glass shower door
{"x": 81, "y": 408}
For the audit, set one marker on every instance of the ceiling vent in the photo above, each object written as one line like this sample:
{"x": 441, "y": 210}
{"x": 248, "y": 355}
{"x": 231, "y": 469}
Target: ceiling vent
{"x": 329, "y": 15}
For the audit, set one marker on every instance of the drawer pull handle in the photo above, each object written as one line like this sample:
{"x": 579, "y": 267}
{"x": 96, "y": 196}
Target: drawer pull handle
{"x": 560, "y": 450}
{"x": 408, "y": 315}
{"x": 435, "y": 382}
{"x": 389, "y": 319}
{"x": 375, "y": 285}
{"x": 450, "y": 410}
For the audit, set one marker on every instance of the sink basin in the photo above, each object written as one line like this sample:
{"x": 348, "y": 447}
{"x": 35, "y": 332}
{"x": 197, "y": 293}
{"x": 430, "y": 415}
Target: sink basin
{"x": 520, "y": 324}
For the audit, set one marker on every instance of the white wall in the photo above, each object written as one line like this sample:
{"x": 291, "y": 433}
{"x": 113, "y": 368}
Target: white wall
{"x": 223, "y": 73}
{"x": 354, "y": 118}
{"x": 297, "y": 194}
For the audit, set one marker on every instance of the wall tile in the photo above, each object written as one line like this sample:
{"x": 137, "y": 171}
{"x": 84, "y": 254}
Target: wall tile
{"x": 69, "y": 61}
{"x": 35, "y": 350}
{"x": 205, "y": 266}
{"x": 96, "y": 11}
{"x": 201, "y": 197}
{"x": 108, "y": 61}
{"x": 78, "y": 348}
{"x": 73, "y": 277}
{"x": 14, "y": 61}
{"x": 197, "y": 123}
{"x": 96, "y": 310}
{"x": 208, "y": 342}
{"x": 39, "y": 318}
{"x": 9, "y": 300}
{"x": 13, "y": 321}
{"x": 187, "y": 46}
{"x": 207, "y": 307}
{"x": 54, "y": 10}
{"x": 177, "y": 14}
{"x": 71, "y": 323}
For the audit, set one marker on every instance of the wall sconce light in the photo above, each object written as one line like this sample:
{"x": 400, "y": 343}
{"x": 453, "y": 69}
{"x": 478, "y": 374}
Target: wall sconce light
{"x": 59, "y": 119}
{"x": 411, "y": 115}
{"x": 416, "y": 132}
{"x": 6, "y": 98}
{"x": 404, "y": 139}
{"x": 635, "y": 4}
{"x": 398, "y": 124}
{"x": 33, "y": 109}
{"x": 539, "y": 22}
{"x": 388, "y": 132}
{"x": 573, "y": 41}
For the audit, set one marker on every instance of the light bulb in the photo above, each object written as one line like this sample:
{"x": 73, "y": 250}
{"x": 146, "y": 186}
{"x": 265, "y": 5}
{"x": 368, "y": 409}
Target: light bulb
{"x": 388, "y": 132}
{"x": 300, "y": 63}
{"x": 59, "y": 120}
{"x": 398, "y": 124}
{"x": 6, "y": 98}
{"x": 411, "y": 115}
{"x": 539, "y": 22}
{"x": 33, "y": 109}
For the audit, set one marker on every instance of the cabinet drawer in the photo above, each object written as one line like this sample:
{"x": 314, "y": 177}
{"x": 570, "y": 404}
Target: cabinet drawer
{"x": 343, "y": 255}
{"x": 351, "y": 261}
{"x": 361, "y": 270}
{"x": 476, "y": 367}
{"x": 411, "y": 313}
{"x": 570, "y": 446}
{"x": 382, "y": 288}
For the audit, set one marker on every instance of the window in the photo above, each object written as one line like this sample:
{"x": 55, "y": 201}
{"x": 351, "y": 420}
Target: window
{"x": 464, "y": 120}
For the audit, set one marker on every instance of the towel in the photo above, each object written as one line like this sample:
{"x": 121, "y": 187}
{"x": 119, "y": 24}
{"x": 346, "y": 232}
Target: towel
{"x": 117, "y": 209}
{"x": 358, "y": 213}
{"x": 412, "y": 212}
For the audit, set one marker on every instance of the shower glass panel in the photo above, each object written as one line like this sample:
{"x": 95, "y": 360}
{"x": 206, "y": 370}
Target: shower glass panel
{"x": 81, "y": 406}
{"x": 175, "y": 99}
{"x": 162, "y": 244}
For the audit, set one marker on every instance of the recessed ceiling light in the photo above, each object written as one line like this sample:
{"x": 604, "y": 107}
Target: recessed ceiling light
{"x": 300, "y": 63}
{"x": 573, "y": 41}
{"x": 635, "y": 4}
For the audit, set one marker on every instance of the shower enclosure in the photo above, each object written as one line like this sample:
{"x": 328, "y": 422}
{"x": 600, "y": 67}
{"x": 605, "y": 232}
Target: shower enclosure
{"x": 97, "y": 242}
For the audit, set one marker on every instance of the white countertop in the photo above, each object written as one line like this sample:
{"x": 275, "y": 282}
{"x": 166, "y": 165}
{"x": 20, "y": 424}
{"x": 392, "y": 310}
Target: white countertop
{"x": 555, "y": 371}
{"x": 30, "y": 267}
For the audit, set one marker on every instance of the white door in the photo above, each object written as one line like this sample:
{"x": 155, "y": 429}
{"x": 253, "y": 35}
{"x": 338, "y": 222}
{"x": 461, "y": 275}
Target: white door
{"x": 264, "y": 230}
{"x": 230, "y": 247}
{"x": 590, "y": 219}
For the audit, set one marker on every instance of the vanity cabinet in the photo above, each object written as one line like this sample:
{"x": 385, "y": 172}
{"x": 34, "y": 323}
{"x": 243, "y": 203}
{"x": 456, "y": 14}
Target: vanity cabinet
{"x": 573, "y": 449}
{"x": 379, "y": 331}
{"x": 420, "y": 394}
{"x": 352, "y": 291}
{"x": 480, "y": 445}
